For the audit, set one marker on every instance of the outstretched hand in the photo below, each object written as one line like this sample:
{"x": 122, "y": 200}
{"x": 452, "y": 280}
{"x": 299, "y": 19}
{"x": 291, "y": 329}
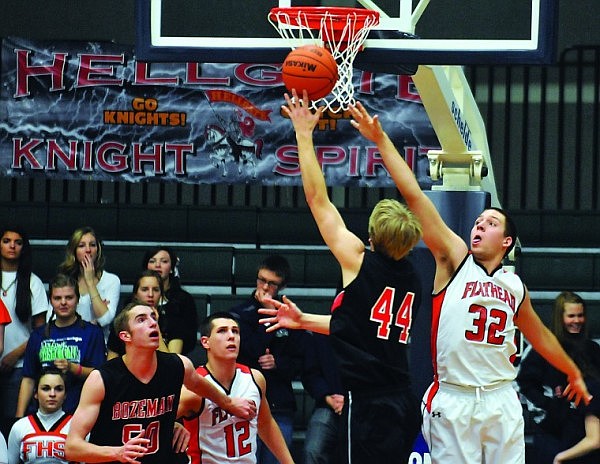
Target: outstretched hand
{"x": 369, "y": 126}
{"x": 285, "y": 315}
{"x": 576, "y": 391}
{"x": 299, "y": 112}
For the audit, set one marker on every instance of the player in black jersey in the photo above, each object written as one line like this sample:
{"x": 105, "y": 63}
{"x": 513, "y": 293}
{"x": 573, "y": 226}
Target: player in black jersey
{"x": 371, "y": 316}
{"x": 129, "y": 405}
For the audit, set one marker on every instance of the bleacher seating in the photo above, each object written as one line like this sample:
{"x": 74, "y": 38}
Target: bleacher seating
{"x": 219, "y": 257}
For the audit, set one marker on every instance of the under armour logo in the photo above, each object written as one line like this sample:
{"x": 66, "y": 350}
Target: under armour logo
{"x": 436, "y": 414}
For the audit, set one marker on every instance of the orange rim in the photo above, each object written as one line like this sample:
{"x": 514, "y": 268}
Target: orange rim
{"x": 338, "y": 15}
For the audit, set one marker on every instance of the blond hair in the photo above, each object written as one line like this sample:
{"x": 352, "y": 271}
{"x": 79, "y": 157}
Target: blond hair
{"x": 393, "y": 229}
{"x": 70, "y": 266}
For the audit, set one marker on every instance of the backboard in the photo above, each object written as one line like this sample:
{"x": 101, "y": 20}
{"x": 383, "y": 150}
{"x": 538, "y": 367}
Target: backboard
{"x": 449, "y": 32}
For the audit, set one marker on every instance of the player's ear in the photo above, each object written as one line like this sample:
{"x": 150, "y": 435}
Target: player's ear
{"x": 507, "y": 242}
{"x": 124, "y": 335}
{"x": 204, "y": 342}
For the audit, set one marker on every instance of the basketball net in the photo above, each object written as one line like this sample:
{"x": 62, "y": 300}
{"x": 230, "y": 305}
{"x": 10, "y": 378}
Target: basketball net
{"x": 340, "y": 30}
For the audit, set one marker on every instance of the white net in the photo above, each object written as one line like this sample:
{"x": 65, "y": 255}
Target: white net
{"x": 341, "y": 30}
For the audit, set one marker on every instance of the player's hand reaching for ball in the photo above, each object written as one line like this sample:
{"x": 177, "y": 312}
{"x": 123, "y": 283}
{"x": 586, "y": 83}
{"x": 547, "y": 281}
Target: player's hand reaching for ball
{"x": 369, "y": 126}
{"x": 299, "y": 112}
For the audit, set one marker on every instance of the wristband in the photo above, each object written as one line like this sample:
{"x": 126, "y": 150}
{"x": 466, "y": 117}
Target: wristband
{"x": 79, "y": 370}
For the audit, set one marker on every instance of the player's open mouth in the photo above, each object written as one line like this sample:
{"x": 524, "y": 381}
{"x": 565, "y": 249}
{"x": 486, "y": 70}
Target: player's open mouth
{"x": 154, "y": 334}
{"x": 477, "y": 239}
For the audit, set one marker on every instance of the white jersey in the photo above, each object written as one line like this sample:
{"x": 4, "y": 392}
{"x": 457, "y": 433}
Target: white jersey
{"x": 39, "y": 438}
{"x": 473, "y": 330}
{"x": 219, "y": 437}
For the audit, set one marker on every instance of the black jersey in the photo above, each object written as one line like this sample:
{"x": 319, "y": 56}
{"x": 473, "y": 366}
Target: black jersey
{"x": 370, "y": 324}
{"x": 131, "y": 406}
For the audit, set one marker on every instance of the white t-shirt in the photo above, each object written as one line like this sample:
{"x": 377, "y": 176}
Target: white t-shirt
{"x": 17, "y": 333}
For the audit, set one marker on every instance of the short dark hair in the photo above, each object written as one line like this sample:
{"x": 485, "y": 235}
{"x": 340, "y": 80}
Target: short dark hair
{"x": 206, "y": 325}
{"x": 279, "y": 265}
{"x": 510, "y": 228}
{"x": 121, "y": 321}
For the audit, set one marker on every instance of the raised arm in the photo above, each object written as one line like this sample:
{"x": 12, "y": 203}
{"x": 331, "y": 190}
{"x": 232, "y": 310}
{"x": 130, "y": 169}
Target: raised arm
{"x": 268, "y": 430}
{"x": 77, "y": 448}
{"x": 345, "y": 246}
{"x": 443, "y": 243}
{"x": 546, "y": 344}
{"x": 197, "y": 384}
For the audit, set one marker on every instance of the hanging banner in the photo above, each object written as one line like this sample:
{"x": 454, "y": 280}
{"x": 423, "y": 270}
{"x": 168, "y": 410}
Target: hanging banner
{"x": 90, "y": 111}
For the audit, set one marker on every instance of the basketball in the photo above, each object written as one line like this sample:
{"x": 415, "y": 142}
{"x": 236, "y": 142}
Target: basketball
{"x": 310, "y": 68}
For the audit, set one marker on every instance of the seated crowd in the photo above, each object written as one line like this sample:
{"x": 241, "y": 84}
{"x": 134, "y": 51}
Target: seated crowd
{"x": 51, "y": 343}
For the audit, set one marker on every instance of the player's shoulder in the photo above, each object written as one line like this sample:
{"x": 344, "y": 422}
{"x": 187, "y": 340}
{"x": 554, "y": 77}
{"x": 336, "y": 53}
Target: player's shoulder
{"x": 243, "y": 368}
{"x": 259, "y": 378}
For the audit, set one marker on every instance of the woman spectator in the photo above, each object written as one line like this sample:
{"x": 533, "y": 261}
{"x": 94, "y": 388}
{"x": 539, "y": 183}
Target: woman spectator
{"x": 66, "y": 342}
{"x": 23, "y": 294}
{"x": 147, "y": 290}
{"x": 543, "y": 386}
{"x": 99, "y": 290}
{"x": 178, "y": 319}
{"x": 40, "y": 437}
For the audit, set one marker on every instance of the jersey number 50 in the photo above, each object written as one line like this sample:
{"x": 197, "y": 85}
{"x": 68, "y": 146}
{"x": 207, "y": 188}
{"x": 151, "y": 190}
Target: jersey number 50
{"x": 383, "y": 313}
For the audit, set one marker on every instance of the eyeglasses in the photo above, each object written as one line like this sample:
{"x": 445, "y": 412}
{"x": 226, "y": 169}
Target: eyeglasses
{"x": 272, "y": 285}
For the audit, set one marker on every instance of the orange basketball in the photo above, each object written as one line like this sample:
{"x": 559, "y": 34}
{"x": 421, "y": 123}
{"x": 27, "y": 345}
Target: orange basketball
{"x": 310, "y": 68}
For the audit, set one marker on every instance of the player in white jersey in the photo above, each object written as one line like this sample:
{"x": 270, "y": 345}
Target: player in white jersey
{"x": 471, "y": 413}
{"x": 40, "y": 437}
{"x": 219, "y": 437}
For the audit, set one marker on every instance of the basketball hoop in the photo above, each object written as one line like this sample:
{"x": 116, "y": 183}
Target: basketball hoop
{"x": 341, "y": 30}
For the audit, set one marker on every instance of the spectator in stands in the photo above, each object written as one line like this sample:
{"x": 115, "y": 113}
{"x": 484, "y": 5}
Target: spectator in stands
{"x": 25, "y": 298}
{"x": 99, "y": 290}
{"x": 148, "y": 290}
{"x": 278, "y": 355}
{"x": 66, "y": 342}
{"x": 581, "y": 432}
{"x": 542, "y": 385}
{"x": 178, "y": 317}
{"x": 322, "y": 440}
{"x": 40, "y": 437}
